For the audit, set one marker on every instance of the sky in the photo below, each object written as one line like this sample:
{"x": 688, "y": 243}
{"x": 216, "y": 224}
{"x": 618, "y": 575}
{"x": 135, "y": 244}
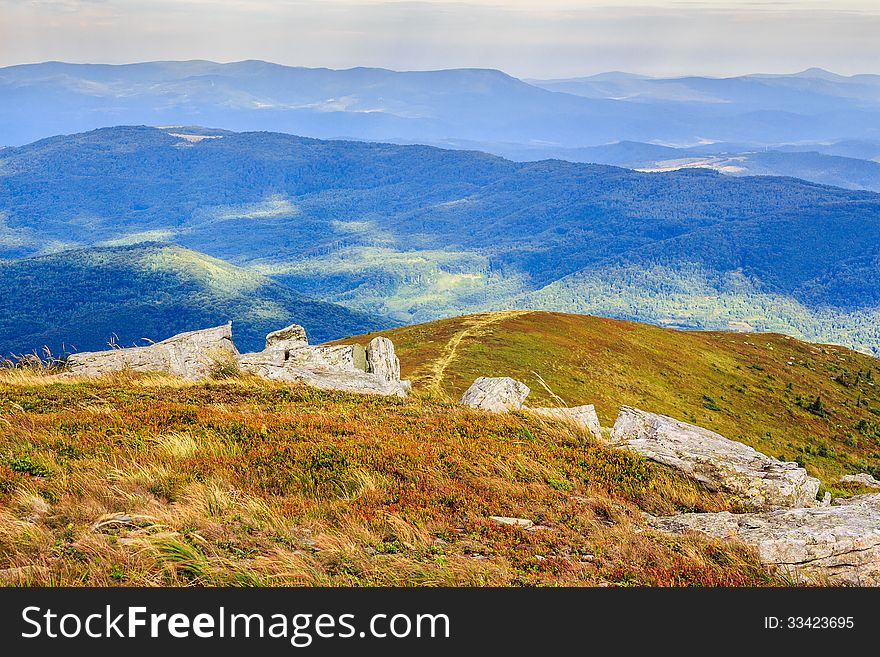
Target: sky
{"x": 526, "y": 38}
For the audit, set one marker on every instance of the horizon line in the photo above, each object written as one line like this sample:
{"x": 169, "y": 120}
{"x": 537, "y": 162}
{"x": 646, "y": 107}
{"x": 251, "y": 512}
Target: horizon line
{"x": 817, "y": 69}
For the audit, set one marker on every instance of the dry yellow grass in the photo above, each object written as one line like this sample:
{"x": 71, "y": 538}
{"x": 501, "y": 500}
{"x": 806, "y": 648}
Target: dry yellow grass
{"x": 151, "y": 480}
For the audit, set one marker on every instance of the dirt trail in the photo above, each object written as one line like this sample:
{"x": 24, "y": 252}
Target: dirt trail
{"x": 474, "y": 327}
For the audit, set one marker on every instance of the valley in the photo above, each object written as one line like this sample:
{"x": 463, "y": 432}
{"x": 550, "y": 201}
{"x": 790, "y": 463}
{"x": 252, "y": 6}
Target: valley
{"x": 406, "y": 234}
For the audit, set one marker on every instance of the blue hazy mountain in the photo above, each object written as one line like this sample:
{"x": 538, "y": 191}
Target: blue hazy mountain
{"x": 417, "y": 232}
{"x": 41, "y": 100}
{"x": 817, "y": 163}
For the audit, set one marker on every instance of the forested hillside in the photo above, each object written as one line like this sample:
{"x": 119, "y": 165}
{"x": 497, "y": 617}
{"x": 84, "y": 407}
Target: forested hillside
{"x": 416, "y": 232}
{"x": 89, "y": 299}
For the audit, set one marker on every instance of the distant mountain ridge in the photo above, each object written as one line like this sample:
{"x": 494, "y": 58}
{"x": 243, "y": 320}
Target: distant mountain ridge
{"x": 478, "y": 104}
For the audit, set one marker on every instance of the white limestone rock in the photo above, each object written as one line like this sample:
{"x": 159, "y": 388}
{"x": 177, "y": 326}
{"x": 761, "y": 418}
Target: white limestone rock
{"x": 524, "y": 523}
{"x": 192, "y": 355}
{"x": 381, "y": 359}
{"x": 349, "y": 368}
{"x": 757, "y": 481}
{"x": 830, "y": 545}
{"x": 496, "y": 394}
{"x": 290, "y": 337}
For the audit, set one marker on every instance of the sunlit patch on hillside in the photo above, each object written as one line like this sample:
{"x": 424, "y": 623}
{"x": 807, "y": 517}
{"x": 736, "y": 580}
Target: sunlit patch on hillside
{"x": 219, "y": 276}
{"x": 366, "y": 230}
{"x": 415, "y": 285}
{"x": 140, "y": 237}
{"x": 274, "y": 207}
{"x": 13, "y": 238}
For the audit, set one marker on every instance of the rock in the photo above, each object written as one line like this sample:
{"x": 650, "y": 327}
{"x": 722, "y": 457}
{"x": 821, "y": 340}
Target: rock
{"x": 511, "y": 522}
{"x": 496, "y": 394}
{"x": 867, "y": 499}
{"x": 862, "y": 478}
{"x": 835, "y": 545}
{"x": 757, "y": 481}
{"x": 112, "y": 521}
{"x": 290, "y": 337}
{"x": 38, "y": 508}
{"x": 348, "y": 368}
{"x": 382, "y": 360}
{"x": 286, "y": 357}
{"x": 192, "y": 355}
{"x": 583, "y": 416}
{"x": 345, "y": 381}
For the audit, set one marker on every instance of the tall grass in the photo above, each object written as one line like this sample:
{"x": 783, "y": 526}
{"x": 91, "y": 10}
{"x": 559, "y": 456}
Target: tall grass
{"x": 139, "y": 480}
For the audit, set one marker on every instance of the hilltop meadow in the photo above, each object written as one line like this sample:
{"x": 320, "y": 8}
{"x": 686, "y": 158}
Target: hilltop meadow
{"x": 136, "y": 479}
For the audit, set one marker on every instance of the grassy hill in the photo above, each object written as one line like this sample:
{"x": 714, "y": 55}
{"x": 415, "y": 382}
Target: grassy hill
{"x": 151, "y": 480}
{"x": 147, "y": 480}
{"x": 758, "y": 388}
{"x": 84, "y": 299}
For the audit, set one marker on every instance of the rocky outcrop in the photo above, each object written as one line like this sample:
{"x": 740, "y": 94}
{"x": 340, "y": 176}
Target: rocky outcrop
{"x": 382, "y": 360}
{"x": 838, "y": 544}
{"x": 496, "y": 394}
{"x": 350, "y": 368}
{"x": 758, "y": 482}
{"x": 192, "y": 355}
{"x": 290, "y": 337}
{"x": 862, "y": 478}
{"x": 288, "y": 356}
{"x": 583, "y": 416}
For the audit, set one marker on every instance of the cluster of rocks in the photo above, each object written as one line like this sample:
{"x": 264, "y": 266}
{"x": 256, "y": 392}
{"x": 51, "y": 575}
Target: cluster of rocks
{"x": 287, "y": 356}
{"x": 500, "y": 394}
{"x": 812, "y": 541}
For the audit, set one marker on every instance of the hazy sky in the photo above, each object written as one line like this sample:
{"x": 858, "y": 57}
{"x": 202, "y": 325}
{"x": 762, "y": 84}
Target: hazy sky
{"x": 528, "y": 38}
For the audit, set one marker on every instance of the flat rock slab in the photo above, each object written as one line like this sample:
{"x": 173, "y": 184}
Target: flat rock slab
{"x": 831, "y": 545}
{"x": 863, "y": 478}
{"x": 496, "y": 394}
{"x": 757, "y": 481}
{"x": 357, "y": 382}
{"x": 583, "y": 416}
{"x": 525, "y": 523}
{"x": 191, "y": 355}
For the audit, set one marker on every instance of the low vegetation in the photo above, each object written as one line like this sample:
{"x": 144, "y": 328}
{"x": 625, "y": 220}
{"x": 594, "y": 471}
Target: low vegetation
{"x": 818, "y": 405}
{"x": 148, "y": 480}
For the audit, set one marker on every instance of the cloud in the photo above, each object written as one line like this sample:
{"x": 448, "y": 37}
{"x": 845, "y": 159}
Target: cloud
{"x": 546, "y": 38}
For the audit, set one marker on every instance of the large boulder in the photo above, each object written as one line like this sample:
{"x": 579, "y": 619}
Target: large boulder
{"x": 583, "y": 416}
{"x": 831, "y": 545}
{"x": 496, "y": 394}
{"x": 350, "y": 368}
{"x": 192, "y": 355}
{"x": 381, "y": 359}
{"x": 756, "y": 481}
{"x": 290, "y": 337}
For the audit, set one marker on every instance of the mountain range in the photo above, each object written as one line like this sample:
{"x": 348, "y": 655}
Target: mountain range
{"x": 415, "y": 232}
{"x": 813, "y": 110}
